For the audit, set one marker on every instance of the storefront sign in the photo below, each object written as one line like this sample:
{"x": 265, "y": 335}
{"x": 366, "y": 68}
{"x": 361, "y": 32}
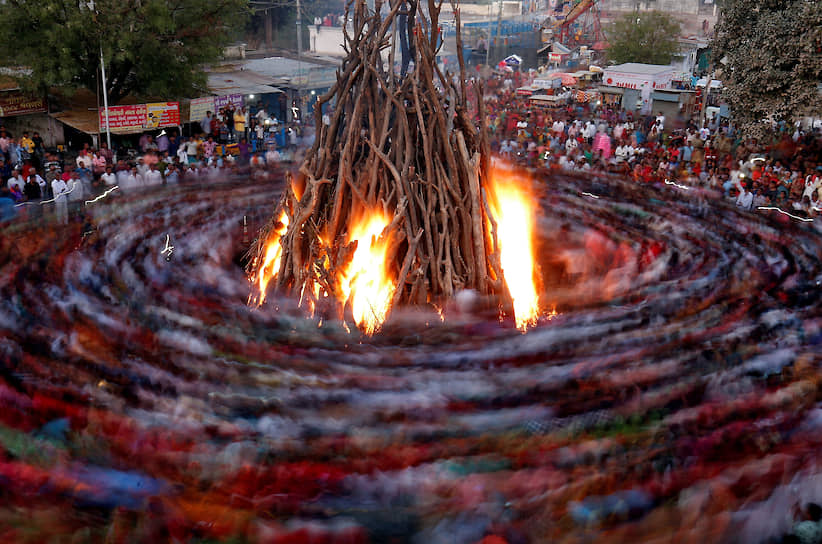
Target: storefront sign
{"x": 236, "y": 100}
{"x": 162, "y": 114}
{"x": 124, "y": 119}
{"x": 547, "y": 83}
{"x": 628, "y": 80}
{"x": 554, "y": 57}
{"x": 139, "y": 117}
{"x": 199, "y": 107}
{"x": 12, "y": 104}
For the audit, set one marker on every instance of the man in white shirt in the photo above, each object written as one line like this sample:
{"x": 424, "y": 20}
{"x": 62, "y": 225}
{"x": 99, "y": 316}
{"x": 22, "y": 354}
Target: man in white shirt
{"x": 704, "y": 133}
{"x": 40, "y": 181}
{"x": 172, "y": 175}
{"x": 505, "y": 149}
{"x": 134, "y": 181}
{"x": 272, "y": 156}
{"x": 153, "y": 176}
{"x": 142, "y": 168}
{"x": 205, "y": 124}
{"x": 191, "y": 150}
{"x": 589, "y": 131}
{"x": 16, "y": 179}
{"x": 182, "y": 154}
{"x": 59, "y": 189}
{"x": 108, "y": 178}
{"x": 745, "y": 199}
{"x": 620, "y": 154}
{"x": 122, "y": 176}
{"x": 261, "y": 116}
{"x": 558, "y": 127}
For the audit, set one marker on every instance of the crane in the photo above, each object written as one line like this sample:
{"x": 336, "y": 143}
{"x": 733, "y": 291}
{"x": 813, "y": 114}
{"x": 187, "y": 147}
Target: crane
{"x": 590, "y": 31}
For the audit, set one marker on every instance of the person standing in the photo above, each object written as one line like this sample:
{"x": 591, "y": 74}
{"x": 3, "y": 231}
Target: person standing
{"x": 133, "y": 182}
{"x": 106, "y": 153}
{"x": 205, "y": 123}
{"x": 108, "y": 178}
{"x": 76, "y": 194}
{"x": 208, "y": 148}
{"x": 162, "y": 142}
{"x": 60, "y": 190}
{"x": 153, "y": 176}
{"x": 240, "y": 123}
{"x": 191, "y": 150}
{"x": 33, "y": 194}
{"x": 17, "y": 180}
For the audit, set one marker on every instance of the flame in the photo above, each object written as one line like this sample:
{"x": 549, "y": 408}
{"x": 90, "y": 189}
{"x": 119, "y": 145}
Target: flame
{"x": 513, "y": 210}
{"x": 271, "y": 261}
{"x": 365, "y": 282}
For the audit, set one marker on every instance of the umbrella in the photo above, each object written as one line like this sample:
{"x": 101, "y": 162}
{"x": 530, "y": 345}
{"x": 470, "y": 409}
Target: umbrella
{"x": 513, "y": 60}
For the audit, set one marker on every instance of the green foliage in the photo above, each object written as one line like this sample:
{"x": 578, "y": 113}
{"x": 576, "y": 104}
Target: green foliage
{"x": 771, "y": 60}
{"x": 648, "y": 37}
{"x": 152, "y": 48}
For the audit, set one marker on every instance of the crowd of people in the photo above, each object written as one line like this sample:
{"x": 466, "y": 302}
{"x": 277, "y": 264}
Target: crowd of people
{"x": 782, "y": 169}
{"x": 33, "y": 176}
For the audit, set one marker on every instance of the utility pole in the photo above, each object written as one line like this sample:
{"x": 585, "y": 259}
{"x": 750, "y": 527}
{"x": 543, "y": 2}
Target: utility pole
{"x": 499, "y": 28}
{"x": 105, "y": 96}
{"x": 269, "y": 30}
{"x": 488, "y": 37}
{"x": 299, "y": 32}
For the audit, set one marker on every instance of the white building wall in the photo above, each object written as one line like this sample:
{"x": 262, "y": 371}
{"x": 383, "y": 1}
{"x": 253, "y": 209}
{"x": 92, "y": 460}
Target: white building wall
{"x": 326, "y": 40}
{"x": 690, "y": 7}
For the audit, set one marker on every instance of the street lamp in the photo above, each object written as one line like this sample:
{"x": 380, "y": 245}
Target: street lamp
{"x": 91, "y": 7}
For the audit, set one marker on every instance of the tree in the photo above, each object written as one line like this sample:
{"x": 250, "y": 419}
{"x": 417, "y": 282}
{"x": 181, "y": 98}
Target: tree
{"x": 769, "y": 56}
{"x": 153, "y": 48}
{"x": 648, "y": 37}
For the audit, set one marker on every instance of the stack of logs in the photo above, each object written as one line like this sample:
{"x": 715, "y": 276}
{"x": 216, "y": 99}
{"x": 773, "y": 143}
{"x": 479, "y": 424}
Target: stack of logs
{"x": 405, "y": 146}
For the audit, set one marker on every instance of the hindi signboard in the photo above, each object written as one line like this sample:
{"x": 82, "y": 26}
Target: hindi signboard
{"x": 629, "y": 80}
{"x": 162, "y": 114}
{"x": 236, "y": 100}
{"x": 139, "y": 117}
{"x": 199, "y": 107}
{"x": 124, "y": 119}
{"x": 12, "y": 104}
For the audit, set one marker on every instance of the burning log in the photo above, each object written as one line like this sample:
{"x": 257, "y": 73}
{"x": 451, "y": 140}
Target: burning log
{"x": 390, "y": 206}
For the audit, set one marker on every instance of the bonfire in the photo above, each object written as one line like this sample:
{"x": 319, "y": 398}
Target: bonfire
{"x": 397, "y": 202}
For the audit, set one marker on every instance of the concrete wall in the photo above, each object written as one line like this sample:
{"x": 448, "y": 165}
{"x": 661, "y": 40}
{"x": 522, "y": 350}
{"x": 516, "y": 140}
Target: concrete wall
{"x": 326, "y": 40}
{"x": 690, "y": 7}
{"x": 509, "y": 9}
{"x": 50, "y": 130}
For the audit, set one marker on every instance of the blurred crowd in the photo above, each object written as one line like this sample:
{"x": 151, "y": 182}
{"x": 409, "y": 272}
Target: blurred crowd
{"x": 34, "y": 177}
{"x": 783, "y": 168}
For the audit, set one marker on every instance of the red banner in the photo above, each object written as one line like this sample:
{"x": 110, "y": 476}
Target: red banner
{"x": 18, "y": 104}
{"x": 124, "y": 118}
{"x": 162, "y": 114}
{"x": 139, "y": 117}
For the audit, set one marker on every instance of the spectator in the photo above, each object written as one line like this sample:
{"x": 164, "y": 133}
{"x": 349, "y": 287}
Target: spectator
{"x": 153, "y": 177}
{"x": 16, "y": 180}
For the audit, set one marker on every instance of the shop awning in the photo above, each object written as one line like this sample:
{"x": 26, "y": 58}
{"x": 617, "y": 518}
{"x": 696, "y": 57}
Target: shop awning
{"x": 82, "y": 120}
{"x": 239, "y": 82}
{"x": 611, "y": 90}
{"x": 665, "y": 97}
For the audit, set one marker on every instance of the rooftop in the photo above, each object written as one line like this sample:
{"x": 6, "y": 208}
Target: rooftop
{"x": 639, "y": 68}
